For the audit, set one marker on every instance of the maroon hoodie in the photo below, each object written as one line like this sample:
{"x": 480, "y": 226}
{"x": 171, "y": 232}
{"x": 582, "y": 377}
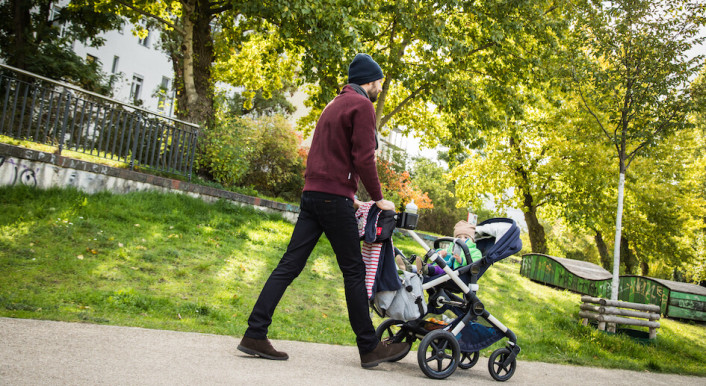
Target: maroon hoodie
{"x": 343, "y": 148}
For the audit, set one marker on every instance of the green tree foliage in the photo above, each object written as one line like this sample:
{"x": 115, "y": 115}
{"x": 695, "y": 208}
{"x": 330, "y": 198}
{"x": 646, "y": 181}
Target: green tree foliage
{"x": 664, "y": 200}
{"x": 635, "y": 81}
{"x": 585, "y": 201}
{"x": 520, "y": 163}
{"x": 431, "y": 179}
{"x": 254, "y": 45}
{"x": 454, "y": 71}
{"x": 563, "y": 241}
{"x": 36, "y": 38}
{"x": 435, "y": 54}
{"x": 696, "y": 269}
{"x": 665, "y": 206}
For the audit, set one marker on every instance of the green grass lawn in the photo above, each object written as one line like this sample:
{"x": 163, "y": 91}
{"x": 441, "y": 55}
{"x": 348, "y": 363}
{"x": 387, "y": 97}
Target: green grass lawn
{"x": 168, "y": 261}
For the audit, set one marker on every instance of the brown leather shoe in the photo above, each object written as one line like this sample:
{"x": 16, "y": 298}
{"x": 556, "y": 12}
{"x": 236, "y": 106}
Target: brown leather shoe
{"x": 262, "y": 348}
{"x": 385, "y": 352}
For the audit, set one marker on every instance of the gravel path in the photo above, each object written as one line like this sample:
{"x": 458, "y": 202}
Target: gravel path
{"x": 34, "y": 352}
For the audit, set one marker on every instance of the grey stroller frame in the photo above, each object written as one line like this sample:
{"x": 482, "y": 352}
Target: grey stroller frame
{"x": 439, "y": 352}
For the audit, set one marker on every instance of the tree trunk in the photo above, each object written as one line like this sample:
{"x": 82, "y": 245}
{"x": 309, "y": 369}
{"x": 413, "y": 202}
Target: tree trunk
{"x": 195, "y": 94}
{"x": 644, "y": 268}
{"x": 618, "y": 231}
{"x": 603, "y": 250}
{"x": 628, "y": 257}
{"x": 21, "y": 25}
{"x": 538, "y": 241}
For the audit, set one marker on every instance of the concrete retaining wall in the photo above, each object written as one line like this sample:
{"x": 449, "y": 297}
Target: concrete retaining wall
{"x": 20, "y": 165}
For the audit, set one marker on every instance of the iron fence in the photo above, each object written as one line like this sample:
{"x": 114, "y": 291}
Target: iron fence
{"x": 45, "y": 111}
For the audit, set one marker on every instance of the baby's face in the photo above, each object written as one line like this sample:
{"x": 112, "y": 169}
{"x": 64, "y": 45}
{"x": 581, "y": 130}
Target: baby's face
{"x": 464, "y": 237}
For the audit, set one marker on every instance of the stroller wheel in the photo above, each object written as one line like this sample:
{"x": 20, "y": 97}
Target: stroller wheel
{"x": 438, "y": 354}
{"x": 498, "y": 370}
{"x": 392, "y": 331}
{"x": 468, "y": 360}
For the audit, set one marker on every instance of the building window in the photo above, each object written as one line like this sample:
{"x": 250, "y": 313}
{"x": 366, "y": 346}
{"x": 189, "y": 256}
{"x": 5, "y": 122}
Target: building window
{"x": 90, "y": 59}
{"x": 164, "y": 92}
{"x": 114, "y": 69}
{"x": 55, "y": 21}
{"x": 146, "y": 41}
{"x": 136, "y": 88}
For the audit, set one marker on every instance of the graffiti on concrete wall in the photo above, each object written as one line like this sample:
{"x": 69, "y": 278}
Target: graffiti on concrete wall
{"x": 15, "y": 172}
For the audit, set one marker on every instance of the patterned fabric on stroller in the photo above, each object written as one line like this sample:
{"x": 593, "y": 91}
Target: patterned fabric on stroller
{"x": 446, "y": 345}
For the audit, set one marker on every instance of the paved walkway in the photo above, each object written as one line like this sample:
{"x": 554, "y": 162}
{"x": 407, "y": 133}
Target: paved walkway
{"x": 34, "y": 352}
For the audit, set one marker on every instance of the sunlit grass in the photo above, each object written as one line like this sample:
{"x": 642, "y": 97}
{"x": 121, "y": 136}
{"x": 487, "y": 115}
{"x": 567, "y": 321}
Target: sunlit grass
{"x": 65, "y": 152}
{"x": 169, "y": 261}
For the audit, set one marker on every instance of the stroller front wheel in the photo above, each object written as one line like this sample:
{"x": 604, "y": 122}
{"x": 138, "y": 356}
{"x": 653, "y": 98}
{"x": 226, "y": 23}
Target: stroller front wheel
{"x": 438, "y": 354}
{"x": 468, "y": 360}
{"x": 499, "y": 370}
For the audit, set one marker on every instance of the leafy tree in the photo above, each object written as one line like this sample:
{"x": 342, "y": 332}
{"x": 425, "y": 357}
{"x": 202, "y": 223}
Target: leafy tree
{"x": 434, "y": 55}
{"x": 584, "y": 202}
{"x": 35, "y": 38}
{"x": 666, "y": 206}
{"x": 636, "y": 85}
{"x": 254, "y": 44}
{"x": 448, "y": 65}
{"x": 664, "y": 199}
{"x": 520, "y": 163}
{"x": 696, "y": 269}
{"x": 431, "y": 179}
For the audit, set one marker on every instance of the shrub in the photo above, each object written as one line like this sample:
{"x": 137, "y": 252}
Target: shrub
{"x": 225, "y": 150}
{"x": 276, "y": 161}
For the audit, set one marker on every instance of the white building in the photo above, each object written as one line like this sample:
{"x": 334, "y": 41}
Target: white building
{"x": 142, "y": 74}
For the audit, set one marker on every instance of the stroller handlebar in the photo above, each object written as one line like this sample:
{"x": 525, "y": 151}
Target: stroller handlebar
{"x": 418, "y": 239}
{"x": 432, "y": 256}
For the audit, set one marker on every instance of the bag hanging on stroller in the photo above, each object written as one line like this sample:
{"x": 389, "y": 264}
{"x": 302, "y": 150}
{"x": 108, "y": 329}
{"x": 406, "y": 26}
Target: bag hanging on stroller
{"x": 407, "y": 303}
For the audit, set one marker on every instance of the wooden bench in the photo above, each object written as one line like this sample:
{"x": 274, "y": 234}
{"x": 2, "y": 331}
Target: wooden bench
{"x": 611, "y": 312}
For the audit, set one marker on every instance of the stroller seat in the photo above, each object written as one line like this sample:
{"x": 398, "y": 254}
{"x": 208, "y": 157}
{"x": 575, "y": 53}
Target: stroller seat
{"x": 496, "y": 239}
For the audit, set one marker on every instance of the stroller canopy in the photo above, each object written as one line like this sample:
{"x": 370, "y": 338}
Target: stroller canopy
{"x": 497, "y": 239}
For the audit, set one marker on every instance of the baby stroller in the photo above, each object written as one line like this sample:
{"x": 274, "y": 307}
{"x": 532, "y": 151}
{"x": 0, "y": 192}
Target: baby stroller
{"x": 446, "y": 345}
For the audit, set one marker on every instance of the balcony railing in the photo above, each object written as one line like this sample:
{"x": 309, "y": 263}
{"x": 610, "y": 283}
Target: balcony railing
{"x": 38, "y": 109}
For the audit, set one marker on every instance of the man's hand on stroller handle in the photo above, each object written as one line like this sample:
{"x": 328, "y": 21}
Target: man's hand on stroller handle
{"x": 385, "y": 204}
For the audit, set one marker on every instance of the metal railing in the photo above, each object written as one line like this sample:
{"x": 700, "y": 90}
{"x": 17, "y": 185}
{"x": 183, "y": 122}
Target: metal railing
{"x": 46, "y": 111}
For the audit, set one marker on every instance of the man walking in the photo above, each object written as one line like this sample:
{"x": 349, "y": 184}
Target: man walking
{"x": 342, "y": 153}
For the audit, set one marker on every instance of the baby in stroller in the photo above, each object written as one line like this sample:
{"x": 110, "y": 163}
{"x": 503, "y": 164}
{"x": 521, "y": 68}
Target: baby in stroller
{"x": 455, "y": 342}
{"x": 453, "y": 254}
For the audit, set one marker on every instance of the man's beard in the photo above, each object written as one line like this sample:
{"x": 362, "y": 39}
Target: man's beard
{"x": 373, "y": 97}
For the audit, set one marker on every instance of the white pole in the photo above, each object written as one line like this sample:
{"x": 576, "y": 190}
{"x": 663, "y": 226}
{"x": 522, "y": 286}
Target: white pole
{"x": 618, "y": 230}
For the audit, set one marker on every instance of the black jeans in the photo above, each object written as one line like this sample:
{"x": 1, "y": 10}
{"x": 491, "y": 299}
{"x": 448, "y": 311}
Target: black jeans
{"x": 334, "y": 216}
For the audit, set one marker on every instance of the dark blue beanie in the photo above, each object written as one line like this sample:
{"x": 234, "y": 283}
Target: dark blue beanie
{"x": 363, "y": 69}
